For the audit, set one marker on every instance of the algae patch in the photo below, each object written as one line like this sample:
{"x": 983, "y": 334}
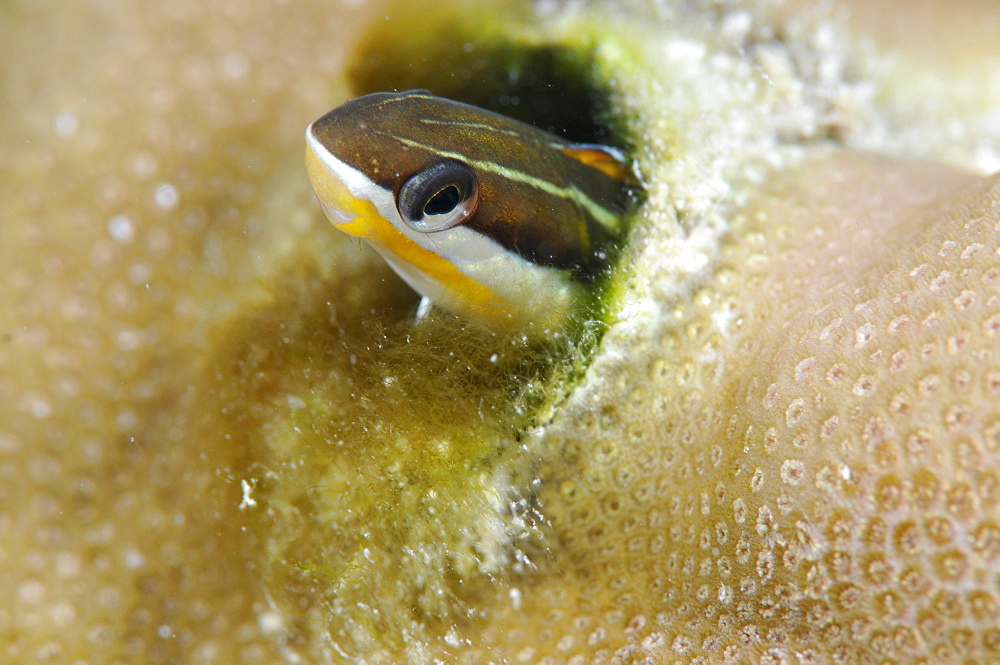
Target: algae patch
{"x": 490, "y": 62}
{"x": 391, "y": 477}
{"x": 393, "y": 464}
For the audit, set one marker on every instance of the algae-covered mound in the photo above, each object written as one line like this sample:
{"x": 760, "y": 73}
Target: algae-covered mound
{"x": 774, "y": 437}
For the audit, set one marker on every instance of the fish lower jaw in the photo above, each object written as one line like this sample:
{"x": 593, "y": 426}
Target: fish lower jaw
{"x": 545, "y": 304}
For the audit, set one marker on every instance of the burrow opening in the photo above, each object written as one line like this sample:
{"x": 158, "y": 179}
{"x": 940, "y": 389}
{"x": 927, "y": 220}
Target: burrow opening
{"x": 552, "y": 86}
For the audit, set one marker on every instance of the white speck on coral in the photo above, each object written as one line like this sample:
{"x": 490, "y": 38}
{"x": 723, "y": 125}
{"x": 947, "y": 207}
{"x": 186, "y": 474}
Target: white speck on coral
{"x": 121, "y": 229}
{"x": 126, "y": 420}
{"x": 235, "y": 66}
{"x": 66, "y": 124}
{"x": 634, "y": 308}
{"x": 62, "y": 613}
{"x": 39, "y": 407}
{"x": 138, "y": 273}
{"x": 686, "y": 50}
{"x": 134, "y": 558}
{"x": 736, "y": 25}
{"x": 128, "y": 340}
{"x": 722, "y": 319}
{"x": 166, "y": 196}
{"x": 143, "y": 165}
{"x": 515, "y": 598}
{"x": 451, "y": 637}
{"x": 270, "y": 622}
{"x": 987, "y": 158}
{"x": 31, "y": 591}
{"x": 68, "y": 564}
{"x": 247, "y": 501}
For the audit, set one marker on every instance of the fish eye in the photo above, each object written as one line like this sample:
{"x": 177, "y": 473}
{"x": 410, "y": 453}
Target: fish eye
{"x": 439, "y": 197}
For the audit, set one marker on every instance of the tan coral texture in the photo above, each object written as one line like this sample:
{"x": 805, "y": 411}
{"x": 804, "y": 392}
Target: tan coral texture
{"x": 822, "y": 482}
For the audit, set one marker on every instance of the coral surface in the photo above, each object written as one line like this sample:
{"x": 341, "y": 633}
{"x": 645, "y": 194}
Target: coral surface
{"x": 223, "y": 439}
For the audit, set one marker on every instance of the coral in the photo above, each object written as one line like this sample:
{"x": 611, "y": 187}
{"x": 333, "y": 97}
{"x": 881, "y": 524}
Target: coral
{"x": 222, "y": 439}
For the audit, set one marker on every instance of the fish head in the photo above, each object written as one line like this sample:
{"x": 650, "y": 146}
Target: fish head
{"x": 476, "y": 212}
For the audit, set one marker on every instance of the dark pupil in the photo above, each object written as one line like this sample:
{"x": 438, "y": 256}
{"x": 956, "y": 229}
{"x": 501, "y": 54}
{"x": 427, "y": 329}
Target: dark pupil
{"x": 443, "y": 202}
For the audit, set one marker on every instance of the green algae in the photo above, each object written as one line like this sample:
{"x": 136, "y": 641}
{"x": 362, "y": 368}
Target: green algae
{"x": 392, "y": 462}
{"x": 383, "y": 454}
{"x": 491, "y": 62}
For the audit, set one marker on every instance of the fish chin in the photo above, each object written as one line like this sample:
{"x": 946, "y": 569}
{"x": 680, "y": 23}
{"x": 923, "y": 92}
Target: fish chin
{"x": 337, "y": 215}
{"x": 416, "y": 279}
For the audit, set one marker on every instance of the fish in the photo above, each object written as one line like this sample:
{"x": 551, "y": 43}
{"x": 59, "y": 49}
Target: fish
{"x": 486, "y": 217}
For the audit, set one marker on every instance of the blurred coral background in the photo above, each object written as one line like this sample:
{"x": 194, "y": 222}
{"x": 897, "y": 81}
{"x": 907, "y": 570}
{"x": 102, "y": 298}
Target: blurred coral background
{"x": 153, "y": 194}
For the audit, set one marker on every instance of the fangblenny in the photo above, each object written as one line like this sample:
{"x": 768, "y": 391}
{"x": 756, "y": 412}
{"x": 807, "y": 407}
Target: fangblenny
{"x": 487, "y": 217}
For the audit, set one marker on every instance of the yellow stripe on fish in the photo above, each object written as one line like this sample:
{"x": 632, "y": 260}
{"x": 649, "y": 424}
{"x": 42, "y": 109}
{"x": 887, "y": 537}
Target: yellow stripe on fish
{"x": 484, "y": 216}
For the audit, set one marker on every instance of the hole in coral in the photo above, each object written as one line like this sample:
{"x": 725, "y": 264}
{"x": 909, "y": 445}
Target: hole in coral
{"x": 551, "y": 86}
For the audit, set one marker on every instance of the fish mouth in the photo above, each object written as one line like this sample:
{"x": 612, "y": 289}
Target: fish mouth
{"x": 344, "y": 209}
{"x": 337, "y": 215}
